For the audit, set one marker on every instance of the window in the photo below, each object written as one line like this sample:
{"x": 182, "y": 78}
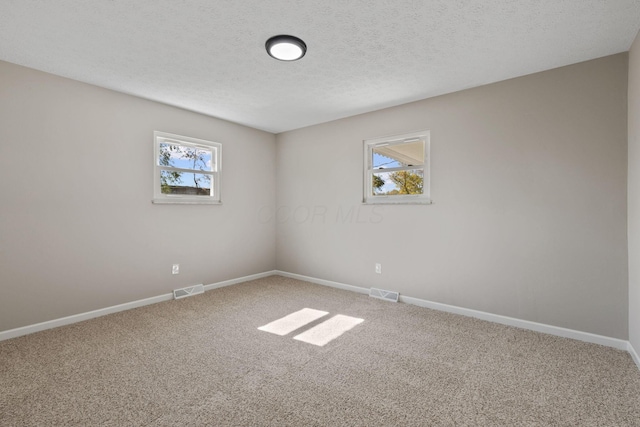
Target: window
{"x": 186, "y": 170}
{"x": 396, "y": 169}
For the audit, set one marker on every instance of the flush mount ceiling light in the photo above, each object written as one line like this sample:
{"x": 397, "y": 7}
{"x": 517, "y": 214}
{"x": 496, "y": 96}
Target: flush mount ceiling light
{"x": 286, "y": 48}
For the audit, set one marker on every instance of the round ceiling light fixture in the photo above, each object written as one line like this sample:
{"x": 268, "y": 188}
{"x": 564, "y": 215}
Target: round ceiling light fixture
{"x": 286, "y": 48}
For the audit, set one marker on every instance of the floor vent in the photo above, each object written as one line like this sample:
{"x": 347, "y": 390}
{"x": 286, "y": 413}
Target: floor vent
{"x": 385, "y": 295}
{"x": 188, "y": 291}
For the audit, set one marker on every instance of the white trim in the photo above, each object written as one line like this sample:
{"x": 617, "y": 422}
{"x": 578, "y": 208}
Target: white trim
{"x": 399, "y": 200}
{"x": 215, "y": 148}
{"x": 240, "y": 280}
{"x": 519, "y": 323}
{"x": 17, "y": 332}
{"x": 496, "y": 318}
{"x": 50, "y": 324}
{"x": 176, "y": 201}
{"x": 323, "y": 282}
{"x": 369, "y": 145}
{"x": 633, "y": 354}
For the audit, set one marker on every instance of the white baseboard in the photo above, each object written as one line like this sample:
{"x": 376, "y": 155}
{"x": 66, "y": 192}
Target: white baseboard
{"x": 317, "y": 281}
{"x": 496, "y": 318}
{"x": 523, "y": 324}
{"x": 633, "y": 354}
{"x": 17, "y": 332}
{"x": 239, "y": 280}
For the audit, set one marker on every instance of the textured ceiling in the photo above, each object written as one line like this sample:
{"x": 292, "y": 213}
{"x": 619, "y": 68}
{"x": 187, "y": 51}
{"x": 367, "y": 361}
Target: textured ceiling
{"x": 208, "y": 56}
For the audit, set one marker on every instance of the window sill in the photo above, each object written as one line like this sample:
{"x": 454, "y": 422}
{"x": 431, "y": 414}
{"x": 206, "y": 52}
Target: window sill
{"x": 397, "y": 202}
{"x": 185, "y": 202}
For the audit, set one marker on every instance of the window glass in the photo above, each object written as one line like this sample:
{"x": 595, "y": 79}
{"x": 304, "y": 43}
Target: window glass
{"x": 185, "y": 157}
{"x": 185, "y": 183}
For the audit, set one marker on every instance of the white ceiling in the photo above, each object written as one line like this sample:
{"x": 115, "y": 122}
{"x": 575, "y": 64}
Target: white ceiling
{"x": 208, "y": 55}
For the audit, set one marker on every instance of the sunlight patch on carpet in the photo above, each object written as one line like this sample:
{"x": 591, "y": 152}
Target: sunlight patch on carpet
{"x": 328, "y": 330}
{"x": 293, "y": 321}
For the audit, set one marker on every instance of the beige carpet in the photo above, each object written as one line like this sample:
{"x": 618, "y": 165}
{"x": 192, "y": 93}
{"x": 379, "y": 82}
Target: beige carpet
{"x": 202, "y": 361}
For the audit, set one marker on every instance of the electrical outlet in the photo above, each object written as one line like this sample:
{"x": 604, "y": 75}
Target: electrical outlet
{"x": 378, "y": 268}
{"x": 175, "y": 269}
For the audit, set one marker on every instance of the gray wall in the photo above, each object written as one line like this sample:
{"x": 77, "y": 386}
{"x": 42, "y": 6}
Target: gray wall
{"x": 78, "y": 230}
{"x": 634, "y": 195}
{"x": 529, "y": 184}
{"x": 528, "y": 178}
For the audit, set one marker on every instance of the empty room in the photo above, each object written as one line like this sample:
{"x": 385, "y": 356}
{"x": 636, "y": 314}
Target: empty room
{"x": 329, "y": 213}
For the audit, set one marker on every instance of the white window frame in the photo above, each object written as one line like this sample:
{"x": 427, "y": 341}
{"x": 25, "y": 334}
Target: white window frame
{"x": 370, "y": 144}
{"x": 215, "y": 147}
